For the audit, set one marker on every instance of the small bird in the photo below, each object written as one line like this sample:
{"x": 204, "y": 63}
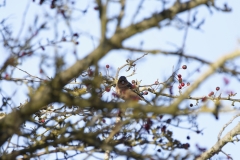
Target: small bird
{"x": 125, "y": 90}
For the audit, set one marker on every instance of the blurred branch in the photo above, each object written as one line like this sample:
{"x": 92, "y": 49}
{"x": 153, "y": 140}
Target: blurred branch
{"x": 130, "y": 64}
{"x": 19, "y": 79}
{"x": 139, "y": 7}
{"x": 47, "y": 93}
{"x": 212, "y": 68}
{"x": 229, "y": 137}
{"x": 220, "y": 133}
{"x": 121, "y": 14}
{"x": 104, "y": 137}
{"x": 30, "y": 74}
{"x": 200, "y": 98}
{"x": 103, "y": 17}
{"x": 180, "y": 54}
{"x": 153, "y": 21}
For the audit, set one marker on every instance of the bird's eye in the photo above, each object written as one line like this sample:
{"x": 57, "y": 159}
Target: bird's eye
{"x": 122, "y": 82}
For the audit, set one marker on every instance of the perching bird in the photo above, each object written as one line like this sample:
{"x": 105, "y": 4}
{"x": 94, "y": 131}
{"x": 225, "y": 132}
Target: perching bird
{"x": 126, "y": 91}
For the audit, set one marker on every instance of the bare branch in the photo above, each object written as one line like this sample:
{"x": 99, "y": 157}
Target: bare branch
{"x": 204, "y": 76}
{"x": 229, "y": 137}
{"x": 220, "y": 133}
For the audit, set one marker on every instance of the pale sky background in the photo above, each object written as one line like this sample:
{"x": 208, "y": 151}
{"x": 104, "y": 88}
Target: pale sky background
{"x": 219, "y": 35}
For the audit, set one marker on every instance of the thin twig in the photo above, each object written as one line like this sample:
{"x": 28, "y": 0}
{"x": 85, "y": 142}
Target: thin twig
{"x": 130, "y": 63}
{"x": 30, "y": 74}
{"x": 220, "y": 133}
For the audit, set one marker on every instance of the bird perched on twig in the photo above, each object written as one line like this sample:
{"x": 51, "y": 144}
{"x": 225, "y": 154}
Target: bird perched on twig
{"x": 126, "y": 91}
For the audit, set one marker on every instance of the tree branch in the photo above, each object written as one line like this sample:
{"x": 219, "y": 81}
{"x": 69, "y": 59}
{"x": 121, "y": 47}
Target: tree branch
{"x": 219, "y": 145}
{"x": 203, "y": 77}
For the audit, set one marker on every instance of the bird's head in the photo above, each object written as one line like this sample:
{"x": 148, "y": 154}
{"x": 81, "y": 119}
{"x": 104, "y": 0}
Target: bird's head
{"x": 123, "y": 82}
